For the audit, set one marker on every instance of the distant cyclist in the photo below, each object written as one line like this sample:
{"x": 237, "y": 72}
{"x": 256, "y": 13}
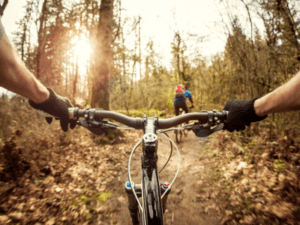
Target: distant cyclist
{"x": 179, "y": 99}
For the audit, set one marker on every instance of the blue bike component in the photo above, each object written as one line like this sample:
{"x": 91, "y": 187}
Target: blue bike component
{"x": 165, "y": 186}
{"x": 128, "y": 184}
{"x": 132, "y": 204}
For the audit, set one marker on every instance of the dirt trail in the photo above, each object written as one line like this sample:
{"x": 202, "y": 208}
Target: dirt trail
{"x": 190, "y": 201}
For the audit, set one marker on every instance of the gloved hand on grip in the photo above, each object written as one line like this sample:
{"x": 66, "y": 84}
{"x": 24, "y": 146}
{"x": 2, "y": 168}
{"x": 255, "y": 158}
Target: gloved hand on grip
{"x": 241, "y": 114}
{"x": 57, "y": 106}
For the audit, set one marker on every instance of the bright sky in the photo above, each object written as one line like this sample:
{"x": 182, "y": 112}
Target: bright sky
{"x": 14, "y": 11}
{"x": 160, "y": 19}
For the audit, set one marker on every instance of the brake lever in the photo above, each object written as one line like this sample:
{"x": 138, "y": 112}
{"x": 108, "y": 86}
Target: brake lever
{"x": 96, "y": 127}
{"x": 206, "y": 131}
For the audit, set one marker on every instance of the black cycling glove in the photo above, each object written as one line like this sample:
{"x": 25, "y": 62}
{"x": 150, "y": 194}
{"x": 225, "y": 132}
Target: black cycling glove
{"x": 241, "y": 114}
{"x": 58, "y": 107}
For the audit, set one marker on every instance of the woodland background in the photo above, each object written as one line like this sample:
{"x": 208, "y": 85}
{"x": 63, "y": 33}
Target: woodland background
{"x": 51, "y": 177}
{"x": 117, "y": 77}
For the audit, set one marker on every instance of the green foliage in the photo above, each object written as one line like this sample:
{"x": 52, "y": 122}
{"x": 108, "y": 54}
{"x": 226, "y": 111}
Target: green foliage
{"x": 142, "y": 112}
{"x": 103, "y": 197}
{"x": 75, "y": 203}
{"x": 16, "y": 114}
{"x": 279, "y": 165}
{"x": 248, "y": 157}
{"x": 110, "y": 134}
{"x": 230, "y": 156}
{"x": 105, "y": 140}
{"x": 170, "y": 99}
{"x": 84, "y": 198}
{"x": 259, "y": 151}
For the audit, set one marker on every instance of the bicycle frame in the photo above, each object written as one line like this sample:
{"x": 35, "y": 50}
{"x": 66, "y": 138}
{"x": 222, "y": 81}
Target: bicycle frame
{"x": 149, "y": 190}
{"x": 152, "y": 205}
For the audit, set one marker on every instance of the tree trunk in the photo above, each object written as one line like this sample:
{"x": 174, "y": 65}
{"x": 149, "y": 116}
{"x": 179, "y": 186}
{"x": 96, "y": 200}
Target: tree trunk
{"x": 3, "y": 7}
{"x": 41, "y": 36}
{"x": 103, "y": 57}
{"x": 178, "y": 56}
{"x": 292, "y": 25}
{"x": 75, "y": 79}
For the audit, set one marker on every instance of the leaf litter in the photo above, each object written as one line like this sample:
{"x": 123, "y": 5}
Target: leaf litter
{"x": 51, "y": 177}
{"x": 260, "y": 178}
{"x": 60, "y": 181}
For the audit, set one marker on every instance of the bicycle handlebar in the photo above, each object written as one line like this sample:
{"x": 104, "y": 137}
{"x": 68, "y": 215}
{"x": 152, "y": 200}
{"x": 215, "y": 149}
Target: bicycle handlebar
{"x": 75, "y": 113}
{"x": 138, "y": 123}
{"x": 202, "y": 117}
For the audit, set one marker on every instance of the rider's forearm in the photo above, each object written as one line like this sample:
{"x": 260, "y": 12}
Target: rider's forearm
{"x": 283, "y": 99}
{"x": 15, "y": 77}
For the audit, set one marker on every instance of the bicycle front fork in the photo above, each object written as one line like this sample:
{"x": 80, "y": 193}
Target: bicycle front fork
{"x": 132, "y": 201}
{"x": 165, "y": 186}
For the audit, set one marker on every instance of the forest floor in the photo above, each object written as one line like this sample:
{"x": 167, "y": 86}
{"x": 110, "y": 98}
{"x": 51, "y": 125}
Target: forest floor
{"x": 51, "y": 177}
{"x": 83, "y": 183}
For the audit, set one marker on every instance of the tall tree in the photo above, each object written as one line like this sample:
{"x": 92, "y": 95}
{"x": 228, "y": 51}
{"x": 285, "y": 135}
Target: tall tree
{"x": 41, "y": 38}
{"x": 103, "y": 56}
{"x": 22, "y": 36}
{"x": 178, "y": 49}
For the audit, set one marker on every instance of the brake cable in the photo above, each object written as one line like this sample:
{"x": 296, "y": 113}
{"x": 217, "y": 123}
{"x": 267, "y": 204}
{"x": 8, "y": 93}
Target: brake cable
{"x": 171, "y": 152}
{"x": 164, "y": 135}
{"x": 129, "y": 176}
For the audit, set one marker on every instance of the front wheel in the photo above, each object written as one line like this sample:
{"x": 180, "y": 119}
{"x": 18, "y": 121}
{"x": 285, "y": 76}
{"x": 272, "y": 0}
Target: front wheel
{"x": 152, "y": 205}
{"x": 185, "y": 132}
{"x": 178, "y": 135}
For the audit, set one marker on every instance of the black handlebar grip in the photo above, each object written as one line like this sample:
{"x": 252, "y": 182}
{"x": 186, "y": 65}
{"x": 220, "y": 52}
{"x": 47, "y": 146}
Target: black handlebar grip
{"x": 172, "y": 122}
{"x": 136, "y": 123}
{"x": 202, "y": 117}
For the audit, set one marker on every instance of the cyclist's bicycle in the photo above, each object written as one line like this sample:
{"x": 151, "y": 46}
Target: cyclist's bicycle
{"x": 153, "y": 194}
{"x": 183, "y": 131}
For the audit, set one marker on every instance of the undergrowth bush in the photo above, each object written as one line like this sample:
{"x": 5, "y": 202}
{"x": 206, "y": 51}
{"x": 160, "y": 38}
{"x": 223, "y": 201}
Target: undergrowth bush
{"x": 261, "y": 166}
{"x": 142, "y": 112}
{"x": 16, "y": 114}
{"x": 39, "y": 164}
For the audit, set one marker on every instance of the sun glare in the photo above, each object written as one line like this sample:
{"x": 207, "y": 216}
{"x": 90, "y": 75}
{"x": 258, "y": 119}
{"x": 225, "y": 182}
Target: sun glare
{"x": 83, "y": 51}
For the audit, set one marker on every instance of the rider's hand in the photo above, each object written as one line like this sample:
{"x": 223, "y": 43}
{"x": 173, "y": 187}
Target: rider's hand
{"x": 58, "y": 107}
{"x": 241, "y": 113}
